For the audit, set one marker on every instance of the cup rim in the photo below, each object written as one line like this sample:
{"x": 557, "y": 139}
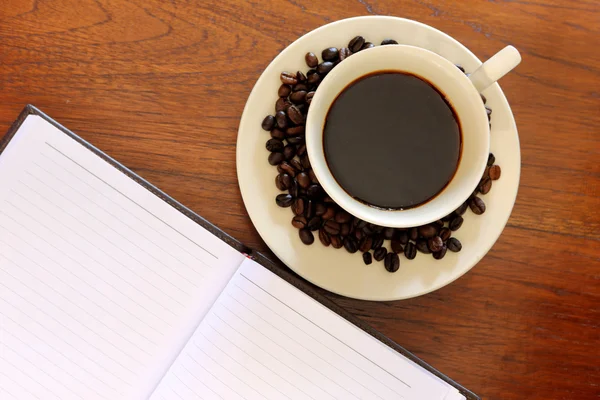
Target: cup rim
{"x": 314, "y": 142}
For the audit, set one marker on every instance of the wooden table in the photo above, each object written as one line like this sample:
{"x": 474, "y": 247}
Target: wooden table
{"x": 160, "y": 86}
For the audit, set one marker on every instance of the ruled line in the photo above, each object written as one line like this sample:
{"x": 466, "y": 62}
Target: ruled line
{"x": 21, "y": 386}
{"x": 128, "y": 198}
{"x": 210, "y": 373}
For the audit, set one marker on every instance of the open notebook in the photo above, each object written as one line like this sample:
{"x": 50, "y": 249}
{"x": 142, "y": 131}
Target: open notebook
{"x": 109, "y": 289}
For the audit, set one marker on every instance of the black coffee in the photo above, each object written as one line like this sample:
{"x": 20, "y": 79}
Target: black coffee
{"x": 391, "y": 140}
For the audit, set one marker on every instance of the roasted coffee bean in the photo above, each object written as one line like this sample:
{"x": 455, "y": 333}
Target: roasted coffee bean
{"x": 359, "y": 223}
{"x": 284, "y": 91}
{"x": 367, "y": 258}
{"x": 288, "y": 78}
{"x": 328, "y": 200}
{"x": 288, "y": 169}
{"x": 435, "y": 244}
{"x": 438, "y": 255}
{"x": 268, "y": 123}
{"x": 396, "y": 246}
{"x": 413, "y": 234}
{"x": 365, "y": 243}
{"x": 345, "y": 229}
{"x": 306, "y": 236}
{"x": 356, "y": 44}
{"x": 300, "y": 77}
{"x": 276, "y": 158}
{"x": 461, "y": 68}
{"x": 439, "y": 224}
{"x": 278, "y": 134}
{"x": 284, "y": 200}
{"x": 332, "y": 227}
{"x": 445, "y": 234}
{"x": 377, "y": 241}
{"x": 309, "y": 97}
{"x": 456, "y": 223}
{"x": 448, "y": 217}
{"x": 388, "y": 41}
{"x": 305, "y": 161}
{"x": 495, "y": 172}
{"x": 427, "y": 231}
{"x": 324, "y": 237}
{"x": 314, "y": 79}
{"x": 410, "y": 251}
{"x": 368, "y": 229}
{"x": 422, "y": 246}
{"x": 297, "y": 165}
{"x": 485, "y": 185}
{"x": 344, "y": 53}
{"x": 301, "y": 150}
{"x": 343, "y": 217}
{"x": 491, "y": 160}
{"x": 324, "y": 68}
{"x": 313, "y": 177}
{"x": 298, "y": 206}
{"x": 483, "y": 99}
{"x": 314, "y": 223}
{"x": 392, "y": 262}
{"x": 296, "y": 140}
{"x": 289, "y": 151}
{"x": 274, "y": 145}
{"x": 379, "y": 253}
{"x": 330, "y": 54}
{"x": 367, "y": 45}
{"x": 462, "y": 209}
{"x": 300, "y": 87}
{"x": 295, "y": 115}
{"x": 299, "y": 222}
{"x": 311, "y": 59}
{"x": 303, "y": 180}
{"x": 454, "y": 245}
{"x": 350, "y": 245}
{"x": 388, "y": 233}
{"x": 359, "y": 235}
{"x": 336, "y": 241}
{"x": 329, "y": 214}
{"x": 281, "y": 118}
{"x": 283, "y": 181}
{"x": 293, "y": 189}
{"x": 314, "y": 191}
{"x": 309, "y": 210}
{"x": 298, "y": 97}
{"x": 488, "y": 111}
{"x": 477, "y": 205}
{"x": 320, "y": 209}
{"x": 282, "y": 104}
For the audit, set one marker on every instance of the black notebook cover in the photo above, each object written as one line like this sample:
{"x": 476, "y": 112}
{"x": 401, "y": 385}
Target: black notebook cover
{"x": 274, "y": 266}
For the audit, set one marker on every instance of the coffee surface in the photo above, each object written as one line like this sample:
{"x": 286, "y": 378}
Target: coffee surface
{"x": 391, "y": 140}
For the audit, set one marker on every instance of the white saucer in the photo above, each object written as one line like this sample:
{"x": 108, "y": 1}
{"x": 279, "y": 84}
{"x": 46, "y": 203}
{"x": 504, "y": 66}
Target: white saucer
{"x": 337, "y": 270}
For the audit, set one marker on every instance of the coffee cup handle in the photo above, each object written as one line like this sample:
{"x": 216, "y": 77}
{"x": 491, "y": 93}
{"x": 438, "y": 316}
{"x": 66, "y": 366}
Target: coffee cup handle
{"x": 495, "y": 68}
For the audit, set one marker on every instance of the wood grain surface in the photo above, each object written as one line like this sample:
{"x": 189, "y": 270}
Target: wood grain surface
{"x": 160, "y": 85}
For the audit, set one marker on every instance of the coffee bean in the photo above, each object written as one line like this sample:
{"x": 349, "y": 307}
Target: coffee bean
{"x": 483, "y": 99}
{"x": 324, "y": 237}
{"x": 456, "y": 223}
{"x": 320, "y": 209}
{"x": 445, "y": 234}
{"x": 435, "y": 244}
{"x": 359, "y": 223}
{"x": 401, "y": 236}
{"x": 410, "y": 251}
{"x": 332, "y": 227}
{"x": 268, "y": 123}
{"x": 427, "y": 231}
{"x": 367, "y": 45}
{"x": 379, "y": 253}
{"x": 306, "y": 236}
{"x": 313, "y": 177}
{"x": 278, "y": 134}
{"x": 356, "y": 44}
{"x": 314, "y": 191}
{"x": 274, "y": 145}
{"x": 301, "y": 150}
{"x": 439, "y": 224}
{"x": 330, "y": 54}
{"x": 305, "y": 161}
{"x": 300, "y": 77}
{"x": 336, "y": 241}
{"x": 328, "y": 200}
{"x": 303, "y": 180}
{"x": 329, "y": 214}
{"x": 296, "y": 140}
{"x": 283, "y": 181}
{"x": 324, "y": 68}
{"x": 281, "y": 118}
{"x": 495, "y": 172}
{"x": 461, "y": 68}
{"x": 388, "y": 41}
{"x": 298, "y": 206}
{"x": 396, "y": 246}
{"x": 422, "y": 246}
{"x": 284, "y": 200}
{"x": 289, "y": 151}
{"x": 454, "y": 245}
{"x": 367, "y": 259}
{"x": 438, "y": 255}
{"x": 350, "y": 245}
{"x": 388, "y": 233}
{"x": 392, "y": 262}
{"x": 477, "y": 205}
{"x": 288, "y": 169}
{"x": 365, "y": 243}
{"x": 485, "y": 185}
{"x": 413, "y": 234}
{"x": 462, "y": 209}
{"x": 491, "y": 160}
{"x": 344, "y": 53}
{"x": 294, "y": 115}
{"x": 288, "y": 78}
{"x": 276, "y": 158}
{"x": 309, "y": 96}
{"x": 300, "y": 87}
{"x": 311, "y": 59}
{"x": 293, "y": 188}
{"x": 343, "y": 217}
{"x": 345, "y": 229}
{"x": 296, "y": 164}
{"x": 359, "y": 235}
{"x": 298, "y": 97}
{"x": 314, "y": 223}
{"x": 284, "y": 90}
{"x": 299, "y": 222}
{"x": 282, "y": 104}
{"x": 377, "y": 241}
{"x": 314, "y": 79}
{"x": 309, "y": 210}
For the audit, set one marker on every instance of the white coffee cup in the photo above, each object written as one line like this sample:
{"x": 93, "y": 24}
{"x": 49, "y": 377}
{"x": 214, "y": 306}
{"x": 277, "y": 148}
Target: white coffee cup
{"x": 461, "y": 92}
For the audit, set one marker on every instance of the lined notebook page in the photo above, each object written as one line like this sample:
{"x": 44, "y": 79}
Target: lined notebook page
{"x": 101, "y": 282}
{"x": 265, "y": 339}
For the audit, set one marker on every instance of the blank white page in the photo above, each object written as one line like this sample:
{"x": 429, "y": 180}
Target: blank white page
{"x": 265, "y": 339}
{"x": 101, "y": 282}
